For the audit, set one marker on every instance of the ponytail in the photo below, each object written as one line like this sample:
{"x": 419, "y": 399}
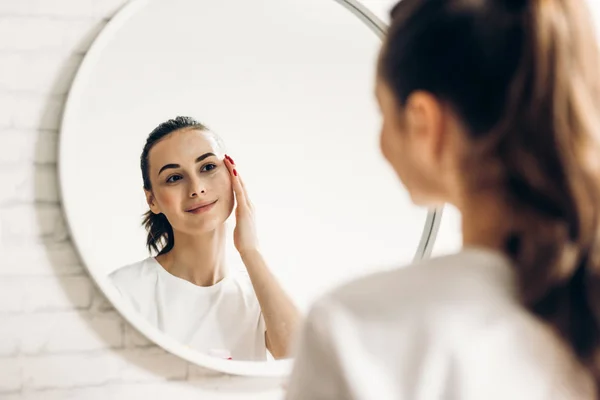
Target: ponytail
{"x": 549, "y": 148}
{"x": 160, "y": 233}
{"x": 524, "y": 76}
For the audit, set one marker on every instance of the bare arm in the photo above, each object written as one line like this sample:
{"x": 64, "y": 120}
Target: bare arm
{"x": 281, "y": 315}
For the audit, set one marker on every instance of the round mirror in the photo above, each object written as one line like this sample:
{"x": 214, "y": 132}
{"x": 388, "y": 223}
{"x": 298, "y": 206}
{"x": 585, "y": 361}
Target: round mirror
{"x": 283, "y": 87}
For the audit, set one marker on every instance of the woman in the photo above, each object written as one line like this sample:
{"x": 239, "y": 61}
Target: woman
{"x": 187, "y": 290}
{"x": 492, "y": 106}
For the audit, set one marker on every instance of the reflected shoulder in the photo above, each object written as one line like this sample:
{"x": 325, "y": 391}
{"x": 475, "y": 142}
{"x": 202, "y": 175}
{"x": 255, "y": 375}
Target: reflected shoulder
{"x": 128, "y": 273}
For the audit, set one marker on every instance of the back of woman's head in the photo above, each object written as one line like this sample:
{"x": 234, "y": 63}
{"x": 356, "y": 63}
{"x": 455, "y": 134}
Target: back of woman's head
{"x": 523, "y": 77}
{"x": 160, "y": 232}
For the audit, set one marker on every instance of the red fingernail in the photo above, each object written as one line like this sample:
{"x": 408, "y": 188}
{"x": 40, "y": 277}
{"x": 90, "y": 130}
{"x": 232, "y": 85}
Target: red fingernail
{"x": 231, "y": 160}
{"x": 234, "y": 172}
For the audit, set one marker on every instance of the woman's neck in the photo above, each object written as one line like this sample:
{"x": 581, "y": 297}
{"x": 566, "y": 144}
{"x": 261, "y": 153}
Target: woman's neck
{"x": 199, "y": 259}
{"x": 485, "y": 220}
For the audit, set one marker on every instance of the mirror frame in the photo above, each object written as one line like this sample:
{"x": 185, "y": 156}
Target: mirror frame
{"x": 276, "y": 368}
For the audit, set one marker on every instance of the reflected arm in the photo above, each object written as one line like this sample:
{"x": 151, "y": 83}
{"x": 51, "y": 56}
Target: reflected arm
{"x": 282, "y": 318}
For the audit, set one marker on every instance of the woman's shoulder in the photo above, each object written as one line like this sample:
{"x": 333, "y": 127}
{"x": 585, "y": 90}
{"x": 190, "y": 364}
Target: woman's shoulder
{"x": 462, "y": 306}
{"x": 239, "y": 279}
{"x": 132, "y": 273}
{"x": 471, "y": 279}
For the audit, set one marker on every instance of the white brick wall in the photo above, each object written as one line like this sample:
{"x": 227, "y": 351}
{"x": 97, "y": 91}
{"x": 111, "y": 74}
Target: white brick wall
{"x": 59, "y": 337}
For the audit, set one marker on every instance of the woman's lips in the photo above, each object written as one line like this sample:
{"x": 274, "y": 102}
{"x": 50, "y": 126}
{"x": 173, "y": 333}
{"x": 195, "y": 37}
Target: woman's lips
{"x": 201, "y": 208}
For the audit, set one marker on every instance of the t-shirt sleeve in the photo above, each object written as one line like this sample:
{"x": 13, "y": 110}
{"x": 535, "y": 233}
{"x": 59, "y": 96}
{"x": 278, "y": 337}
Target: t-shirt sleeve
{"x": 116, "y": 280}
{"x": 262, "y": 325}
{"x": 317, "y": 372}
{"x": 124, "y": 283}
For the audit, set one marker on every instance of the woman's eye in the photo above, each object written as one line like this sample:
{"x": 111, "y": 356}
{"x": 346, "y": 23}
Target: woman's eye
{"x": 173, "y": 178}
{"x": 208, "y": 167}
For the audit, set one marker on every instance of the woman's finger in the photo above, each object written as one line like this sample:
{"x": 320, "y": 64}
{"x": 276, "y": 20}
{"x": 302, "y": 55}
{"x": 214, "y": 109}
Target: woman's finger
{"x": 235, "y": 181}
{"x": 245, "y": 191}
{"x": 241, "y": 180}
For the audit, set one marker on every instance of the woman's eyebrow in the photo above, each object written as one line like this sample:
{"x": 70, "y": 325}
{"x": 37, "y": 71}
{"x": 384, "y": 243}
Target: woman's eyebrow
{"x": 173, "y": 166}
{"x": 203, "y": 156}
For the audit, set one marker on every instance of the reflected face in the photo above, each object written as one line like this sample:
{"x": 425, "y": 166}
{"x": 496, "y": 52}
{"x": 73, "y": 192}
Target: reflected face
{"x": 190, "y": 182}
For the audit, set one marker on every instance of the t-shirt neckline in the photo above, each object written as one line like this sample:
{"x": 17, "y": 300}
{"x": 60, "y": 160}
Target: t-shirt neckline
{"x": 185, "y": 283}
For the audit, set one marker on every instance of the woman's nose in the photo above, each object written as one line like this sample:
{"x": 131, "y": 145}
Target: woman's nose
{"x": 197, "y": 188}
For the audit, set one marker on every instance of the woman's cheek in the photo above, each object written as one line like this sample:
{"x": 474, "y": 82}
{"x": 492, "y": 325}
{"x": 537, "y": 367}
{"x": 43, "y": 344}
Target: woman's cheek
{"x": 222, "y": 180}
{"x": 166, "y": 199}
{"x": 226, "y": 190}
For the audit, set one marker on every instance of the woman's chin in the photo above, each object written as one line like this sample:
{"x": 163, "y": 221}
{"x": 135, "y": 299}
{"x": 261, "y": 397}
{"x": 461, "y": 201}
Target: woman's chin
{"x": 204, "y": 225}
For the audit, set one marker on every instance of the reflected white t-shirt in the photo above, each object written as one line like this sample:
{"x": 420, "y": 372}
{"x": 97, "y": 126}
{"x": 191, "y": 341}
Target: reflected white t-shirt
{"x": 444, "y": 328}
{"x": 223, "y": 320}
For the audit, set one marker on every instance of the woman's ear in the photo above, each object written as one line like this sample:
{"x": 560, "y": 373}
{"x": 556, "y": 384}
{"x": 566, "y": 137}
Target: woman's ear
{"x": 151, "y": 202}
{"x": 425, "y": 123}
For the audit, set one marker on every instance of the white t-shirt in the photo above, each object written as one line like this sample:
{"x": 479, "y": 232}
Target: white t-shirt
{"x": 444, "y": 328}
{"x": 223, "y": 320}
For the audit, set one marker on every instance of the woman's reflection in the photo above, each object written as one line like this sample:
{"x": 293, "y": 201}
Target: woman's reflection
{"x": 186, "y": 290}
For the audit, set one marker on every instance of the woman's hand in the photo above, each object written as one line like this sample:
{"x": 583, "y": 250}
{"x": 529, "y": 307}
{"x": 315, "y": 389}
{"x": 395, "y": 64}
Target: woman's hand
{"x": 245, "y": 238}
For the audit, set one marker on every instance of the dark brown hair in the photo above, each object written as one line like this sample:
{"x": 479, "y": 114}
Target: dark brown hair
{"x": 524, "y": 78}
{"x": 160, "y": 232}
